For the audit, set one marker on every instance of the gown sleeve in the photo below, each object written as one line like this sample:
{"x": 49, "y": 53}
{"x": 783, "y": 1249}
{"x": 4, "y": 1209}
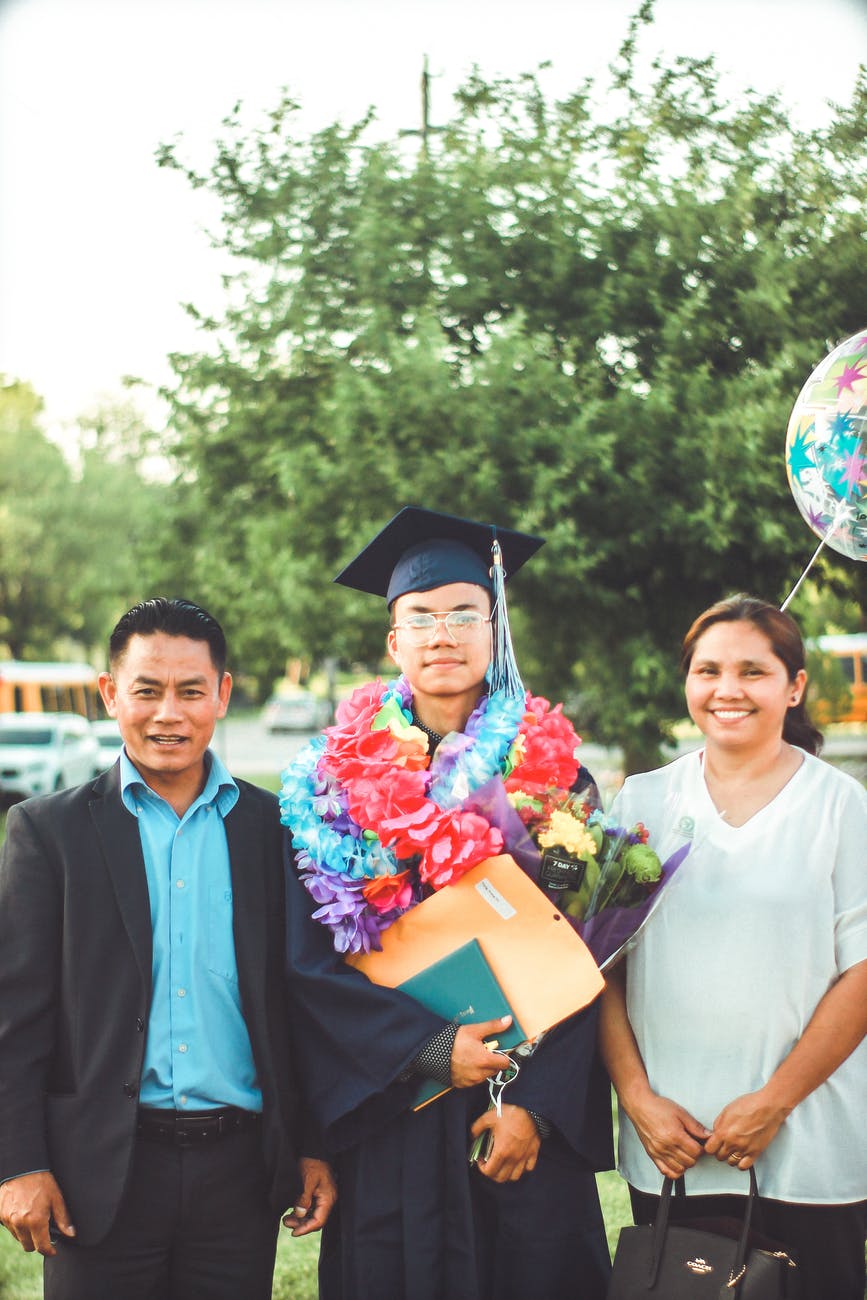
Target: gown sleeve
{"x": 352, "y": 1038}
{"x": 564, "y": 1081}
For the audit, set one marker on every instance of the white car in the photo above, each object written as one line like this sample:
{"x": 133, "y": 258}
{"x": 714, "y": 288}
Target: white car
{"x": 301, "y": 711}
{"x": 108, "y": 739}
{"x": 41, "y": 752}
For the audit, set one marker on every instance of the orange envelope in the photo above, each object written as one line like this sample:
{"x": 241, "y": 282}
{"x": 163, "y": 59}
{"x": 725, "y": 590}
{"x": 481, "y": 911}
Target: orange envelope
{"x": 542, "y": 966}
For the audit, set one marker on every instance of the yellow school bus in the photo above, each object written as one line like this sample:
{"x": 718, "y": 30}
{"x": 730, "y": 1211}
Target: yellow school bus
{"x": 838, "y": 667}
{"x": 49, "y": 688}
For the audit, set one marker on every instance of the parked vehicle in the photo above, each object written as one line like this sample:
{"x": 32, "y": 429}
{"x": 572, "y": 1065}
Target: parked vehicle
{"x": 838, "y": 676}
{"x": 108, "y": 739}
{"x": 41, "y": 752}
{"x": 30, "y": 687}
{"x": 299, "y": 711}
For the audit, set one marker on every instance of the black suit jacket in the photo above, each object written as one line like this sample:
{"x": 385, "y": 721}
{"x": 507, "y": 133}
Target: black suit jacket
{"x": 75, "y": 984}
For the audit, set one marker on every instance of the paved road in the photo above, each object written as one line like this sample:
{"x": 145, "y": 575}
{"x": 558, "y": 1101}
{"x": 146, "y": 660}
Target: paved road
{"x": 247, "y": 748}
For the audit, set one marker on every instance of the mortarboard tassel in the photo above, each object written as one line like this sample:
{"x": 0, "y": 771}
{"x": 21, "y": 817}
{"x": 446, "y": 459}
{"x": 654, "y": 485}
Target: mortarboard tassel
{"x": 504, "y": 674}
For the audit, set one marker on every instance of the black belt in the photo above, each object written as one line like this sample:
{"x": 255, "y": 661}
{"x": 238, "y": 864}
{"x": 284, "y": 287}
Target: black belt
{"x": 190, "y": 1128}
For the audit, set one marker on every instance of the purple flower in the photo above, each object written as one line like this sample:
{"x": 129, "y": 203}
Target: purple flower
{"x": 328, "y": 800}
{"x": 344, "y": 825}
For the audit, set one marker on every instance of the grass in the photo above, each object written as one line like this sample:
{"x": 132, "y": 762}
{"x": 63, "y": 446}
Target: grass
{"x": 295, "y": 1274}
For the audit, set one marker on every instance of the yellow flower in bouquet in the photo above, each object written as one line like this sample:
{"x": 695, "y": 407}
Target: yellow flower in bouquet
{"x": 565, "y": 832}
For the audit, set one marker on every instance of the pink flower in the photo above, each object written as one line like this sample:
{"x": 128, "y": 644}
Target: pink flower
{"x": 549, "y": 744}
{"x": 353, "y": 749}
{"x": 392, "y": 808}
{"x": 361, "y": 707}
{"x": 350, "y": 756}
{"x": 463, "y": 840}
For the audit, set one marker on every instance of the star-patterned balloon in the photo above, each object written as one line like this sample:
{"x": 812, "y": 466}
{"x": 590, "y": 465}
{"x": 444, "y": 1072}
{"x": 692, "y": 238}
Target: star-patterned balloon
{"x": 826, "y": 449}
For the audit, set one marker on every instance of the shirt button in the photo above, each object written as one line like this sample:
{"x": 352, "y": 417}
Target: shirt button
{"x": 183, "y": 1099}
{"x": 182, "y": 993}
{"x": 182, "y": 1047}
{"x": 180, "y": 884}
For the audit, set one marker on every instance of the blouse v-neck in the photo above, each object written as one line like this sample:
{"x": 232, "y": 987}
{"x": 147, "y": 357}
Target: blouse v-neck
{"x": 767, "y": 810}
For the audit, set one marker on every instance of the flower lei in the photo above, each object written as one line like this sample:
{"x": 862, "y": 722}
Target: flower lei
{"x": 374, "y": 821}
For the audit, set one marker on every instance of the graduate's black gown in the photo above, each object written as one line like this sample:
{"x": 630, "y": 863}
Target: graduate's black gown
{"x": 413, "y": 1220}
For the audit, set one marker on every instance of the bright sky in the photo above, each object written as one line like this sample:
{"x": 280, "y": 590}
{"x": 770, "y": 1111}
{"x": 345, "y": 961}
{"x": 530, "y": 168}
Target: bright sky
{"x": 98, "y": 247}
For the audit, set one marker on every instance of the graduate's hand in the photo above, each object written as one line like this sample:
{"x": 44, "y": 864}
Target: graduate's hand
{"x": 28, "y": 1205}
{"x": 744, "y": 1127}
{"x": 472, "y": 1062}
{"x": 672, "y": 1137}
{"x": 516, "y": 1143}
{"x": 316, "y": 1199}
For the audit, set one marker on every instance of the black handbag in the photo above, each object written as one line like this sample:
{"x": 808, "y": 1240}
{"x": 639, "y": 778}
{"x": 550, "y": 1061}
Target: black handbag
{"x": 717, "y": 1260}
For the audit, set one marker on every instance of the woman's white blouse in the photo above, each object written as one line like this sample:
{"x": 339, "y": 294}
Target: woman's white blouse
{"x": 758, "y": 923}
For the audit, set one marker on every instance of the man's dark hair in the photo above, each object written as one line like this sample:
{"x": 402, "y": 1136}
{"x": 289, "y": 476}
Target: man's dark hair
{"x": 175, "y": 618}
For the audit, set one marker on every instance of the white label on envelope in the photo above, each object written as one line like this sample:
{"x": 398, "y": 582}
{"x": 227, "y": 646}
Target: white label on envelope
{"x": 495, "y": 899}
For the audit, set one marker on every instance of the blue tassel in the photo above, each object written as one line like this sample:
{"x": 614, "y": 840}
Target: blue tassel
{"x": 503, "y": 673}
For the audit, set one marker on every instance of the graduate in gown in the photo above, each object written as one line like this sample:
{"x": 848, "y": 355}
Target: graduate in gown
{"x": 375, "y": 818}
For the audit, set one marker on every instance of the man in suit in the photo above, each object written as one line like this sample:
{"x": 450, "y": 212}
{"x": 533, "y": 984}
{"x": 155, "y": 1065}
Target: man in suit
{"x": 149, "y": 1120}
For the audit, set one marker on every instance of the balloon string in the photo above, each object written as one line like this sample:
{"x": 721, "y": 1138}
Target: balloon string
{"x": 812, "y": 561}
{"x": 841, "y": 508}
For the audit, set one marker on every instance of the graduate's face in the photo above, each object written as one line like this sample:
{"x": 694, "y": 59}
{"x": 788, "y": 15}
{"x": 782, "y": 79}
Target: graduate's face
{"x": 737, "y": 689}
{"x": 443, "y": 666}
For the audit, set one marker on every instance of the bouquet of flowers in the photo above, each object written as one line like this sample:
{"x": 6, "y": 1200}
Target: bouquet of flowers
{"x": 604, "y": 877}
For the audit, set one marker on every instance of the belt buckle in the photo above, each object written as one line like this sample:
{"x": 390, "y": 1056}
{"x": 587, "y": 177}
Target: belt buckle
{"x": 189, "y": 1131}
{"x": 182, "y": 1136}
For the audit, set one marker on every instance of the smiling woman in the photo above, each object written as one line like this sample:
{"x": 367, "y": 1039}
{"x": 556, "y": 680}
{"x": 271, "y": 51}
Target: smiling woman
{"x": 739, "y": 694}
{"x": 734, "y": 1031}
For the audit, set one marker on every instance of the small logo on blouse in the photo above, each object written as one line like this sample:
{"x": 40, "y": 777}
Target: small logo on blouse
{"x": 685, "y": 827}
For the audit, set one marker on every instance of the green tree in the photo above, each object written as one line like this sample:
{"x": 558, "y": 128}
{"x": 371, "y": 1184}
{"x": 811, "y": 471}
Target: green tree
{"x": 129, "y": 518}
{"x": 584, "y": 318}
{"x": 35, "y": 497}
{"x": 80, "y": 542}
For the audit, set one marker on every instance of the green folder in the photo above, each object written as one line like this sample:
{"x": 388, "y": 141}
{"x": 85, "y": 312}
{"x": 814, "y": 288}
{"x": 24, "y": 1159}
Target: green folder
{"x": 462, "y": 988}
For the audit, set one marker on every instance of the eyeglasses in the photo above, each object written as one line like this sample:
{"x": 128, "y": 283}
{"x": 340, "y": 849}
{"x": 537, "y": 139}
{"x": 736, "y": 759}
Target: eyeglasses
{"x": 462, "y": 625}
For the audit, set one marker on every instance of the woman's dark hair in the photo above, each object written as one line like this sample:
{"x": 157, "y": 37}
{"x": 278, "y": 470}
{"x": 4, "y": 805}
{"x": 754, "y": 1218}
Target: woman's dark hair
{"x": 786, "y": 642}
{"x": 175, "y": 618}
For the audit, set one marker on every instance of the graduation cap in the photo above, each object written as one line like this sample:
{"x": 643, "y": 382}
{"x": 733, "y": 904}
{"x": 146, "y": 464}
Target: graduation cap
{"x": 420, "y": 549}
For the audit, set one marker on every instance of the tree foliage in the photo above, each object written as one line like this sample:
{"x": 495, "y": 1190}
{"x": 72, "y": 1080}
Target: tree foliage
{"x": 586, "y": 317}
{"x": 34, "y": 489}
{"x": 79, "y": 542}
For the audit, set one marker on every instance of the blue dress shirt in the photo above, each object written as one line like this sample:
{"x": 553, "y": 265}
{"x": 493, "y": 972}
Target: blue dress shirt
{"x": 198, "y": 1054}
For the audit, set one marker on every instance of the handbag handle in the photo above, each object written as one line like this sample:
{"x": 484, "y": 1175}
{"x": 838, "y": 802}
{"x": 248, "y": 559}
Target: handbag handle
{"x": 730, "y": 1288}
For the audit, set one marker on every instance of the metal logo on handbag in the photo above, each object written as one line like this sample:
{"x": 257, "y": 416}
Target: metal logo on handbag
{"x": 698, "y": 1265}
